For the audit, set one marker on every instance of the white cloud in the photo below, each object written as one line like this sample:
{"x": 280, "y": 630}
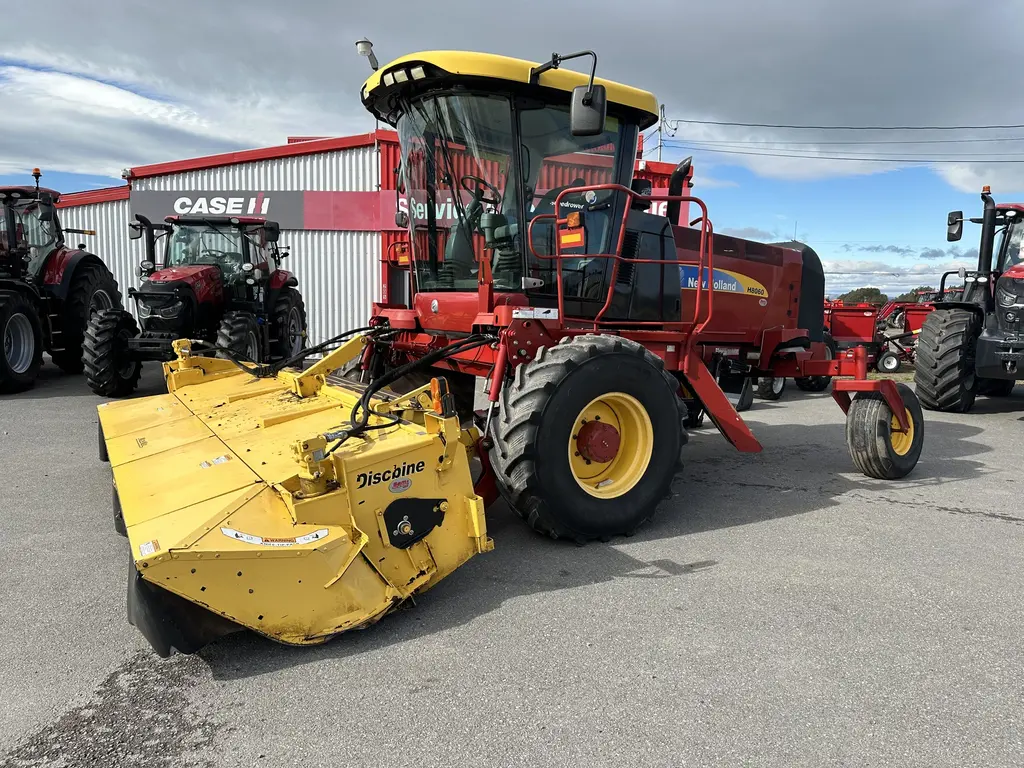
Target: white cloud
{"x": 842, "y": 276}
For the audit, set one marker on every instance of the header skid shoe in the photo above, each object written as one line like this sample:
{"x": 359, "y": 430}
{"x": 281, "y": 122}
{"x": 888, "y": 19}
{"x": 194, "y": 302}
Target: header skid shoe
{"x": 247, "y": 506}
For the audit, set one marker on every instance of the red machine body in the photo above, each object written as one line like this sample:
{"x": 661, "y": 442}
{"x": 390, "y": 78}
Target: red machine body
{"x": 204, "y": 280}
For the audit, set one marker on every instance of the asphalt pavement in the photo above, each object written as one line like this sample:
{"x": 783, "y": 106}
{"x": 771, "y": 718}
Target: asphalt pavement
{"x": 780, "y": 610}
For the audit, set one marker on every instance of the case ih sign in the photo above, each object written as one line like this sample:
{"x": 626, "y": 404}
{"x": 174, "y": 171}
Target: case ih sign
{"x": 348, "y": 211}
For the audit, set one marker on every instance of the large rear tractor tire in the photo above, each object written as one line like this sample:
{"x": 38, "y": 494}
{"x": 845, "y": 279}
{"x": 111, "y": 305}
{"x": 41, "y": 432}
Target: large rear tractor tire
{"x": 93, "y": 289}
{"x": 109, "y": 368}
{"x": 819, "y": 383}
{"x": 21, "y": 336}
{"x": 944, "y": 366}
{"x": 240, "y": 333}
{"x": 878, "y": 449}
{"x": 289, "y": 324}
{"x": 996, "y": 387}
{"x": 588, "y": 438}
{"x": 770, "y": 388}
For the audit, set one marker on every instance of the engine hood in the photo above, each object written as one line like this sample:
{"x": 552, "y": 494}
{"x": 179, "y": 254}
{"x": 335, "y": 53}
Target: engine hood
{"x": 1016, "y": 272}
{"x": 186, "y": 274}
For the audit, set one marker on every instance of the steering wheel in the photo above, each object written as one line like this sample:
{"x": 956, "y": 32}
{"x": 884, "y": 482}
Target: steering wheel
{"x": 480, "y": 186}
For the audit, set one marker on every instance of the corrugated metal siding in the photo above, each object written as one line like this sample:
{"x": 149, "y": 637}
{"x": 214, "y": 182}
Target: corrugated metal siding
{"x": 348, "y": 170}
{"x": 111, "y": 243}
{"x": 339, "y": 277}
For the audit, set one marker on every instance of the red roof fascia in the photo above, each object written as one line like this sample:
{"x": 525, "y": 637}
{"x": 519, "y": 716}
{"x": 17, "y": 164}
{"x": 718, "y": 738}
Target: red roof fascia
{"x": 89, "y": 196}
{"x": 263, "y": 153}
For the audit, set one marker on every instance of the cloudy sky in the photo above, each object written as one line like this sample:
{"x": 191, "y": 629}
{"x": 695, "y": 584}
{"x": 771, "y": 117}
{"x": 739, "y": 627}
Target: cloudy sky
{"x": 89, "y": 89}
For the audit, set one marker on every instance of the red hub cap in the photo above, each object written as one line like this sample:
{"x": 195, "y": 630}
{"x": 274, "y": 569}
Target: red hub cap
{"x": 597, "y": 441}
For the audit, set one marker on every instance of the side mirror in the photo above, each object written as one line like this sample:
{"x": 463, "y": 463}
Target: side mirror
{"x": 272, "y": 231}
{"x": 134, "y": 231}
{"x": 47, "y": 212}
{"x": 588, "y": 110}
{"x": 954, "y": 226}
{"x": 401, "y": 219}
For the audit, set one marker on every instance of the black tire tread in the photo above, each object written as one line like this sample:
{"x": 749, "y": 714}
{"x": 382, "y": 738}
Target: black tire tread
{"x": 940, "y": 374}
{"x": 519, "y": 408}
{"x": 286, "y": 299}
{"x": 75, "y": 312}
{"x": 232, "y": 333}
{"x": 99, "y": 355}
{"x": 868, "y": 416}
{"x": 765, "y": 391}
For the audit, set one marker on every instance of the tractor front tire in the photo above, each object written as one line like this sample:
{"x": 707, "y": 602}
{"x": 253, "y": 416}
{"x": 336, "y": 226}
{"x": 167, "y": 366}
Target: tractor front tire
{"x": 819, "y": 383}
{"x": 996, "y": 387}
{"x": 877, "y": 448}
{"x": 289, "y": 324}
{"x": 770, "y": 387}
{"x": 21, "y": 342}
{"x": 93, "y": 289}
{"x": 240, "y": 334}
{"x": 588, "y": 438}
{"x": 944, "y": 366}
{"x": 109, "y": 368}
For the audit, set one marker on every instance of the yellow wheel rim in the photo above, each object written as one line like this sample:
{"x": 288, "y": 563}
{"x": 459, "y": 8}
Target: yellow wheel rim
{"x": 611, "y": 445}
{"x": 901, "y": 441}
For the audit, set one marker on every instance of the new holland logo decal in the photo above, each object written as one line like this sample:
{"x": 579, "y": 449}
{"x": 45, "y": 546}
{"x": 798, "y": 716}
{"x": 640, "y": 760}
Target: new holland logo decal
{"x": 724, "y": 281}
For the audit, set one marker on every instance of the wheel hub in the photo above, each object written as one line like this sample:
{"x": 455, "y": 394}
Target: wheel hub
{"x": 19, "y": 343}
{"x": 598, "y": 441}
{"x": 901, "y": 441}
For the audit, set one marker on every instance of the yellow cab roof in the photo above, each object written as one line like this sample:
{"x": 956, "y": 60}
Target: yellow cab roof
{"x": 488, "y": 65}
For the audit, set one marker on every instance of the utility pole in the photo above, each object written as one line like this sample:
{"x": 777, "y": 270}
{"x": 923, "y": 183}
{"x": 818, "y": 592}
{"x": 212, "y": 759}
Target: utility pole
{"x": 661, "y": 127}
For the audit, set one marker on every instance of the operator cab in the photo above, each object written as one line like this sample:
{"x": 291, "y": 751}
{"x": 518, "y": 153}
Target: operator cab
{"x": 227, "y": 243}
{"x": 30, "y": 229}
{"x": 488, "y": 144}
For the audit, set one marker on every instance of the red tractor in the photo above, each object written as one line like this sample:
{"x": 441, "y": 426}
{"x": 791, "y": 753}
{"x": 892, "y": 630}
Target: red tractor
{"x": 218, "y": 281}
{"x": 48, "y": 290}
{"x": 600, "y": 329}
{"x": 973, "y": 342}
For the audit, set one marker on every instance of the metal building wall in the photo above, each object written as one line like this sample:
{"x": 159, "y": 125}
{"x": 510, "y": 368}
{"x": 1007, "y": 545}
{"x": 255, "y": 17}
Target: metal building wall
{"x": 338, "y": 272}
{"x": 347, "y": 170}
{"x": 339, "y": 277}
{"x": 110, "y": 243}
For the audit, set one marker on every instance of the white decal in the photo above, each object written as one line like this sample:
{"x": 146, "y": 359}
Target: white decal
{"x": 534, "y": 313}
{"x": 268, "y": 541}
{"x": 147, "y": 549}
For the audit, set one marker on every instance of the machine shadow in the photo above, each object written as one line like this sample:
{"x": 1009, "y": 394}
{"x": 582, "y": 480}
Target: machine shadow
{"x": 803, "y": 469}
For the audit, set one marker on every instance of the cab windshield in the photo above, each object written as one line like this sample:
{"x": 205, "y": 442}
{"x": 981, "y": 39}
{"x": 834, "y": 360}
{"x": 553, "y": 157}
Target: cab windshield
{"x": 1008, "y": 246}
{"x": 469, "y": 197}
{"x": 218, "y": 246}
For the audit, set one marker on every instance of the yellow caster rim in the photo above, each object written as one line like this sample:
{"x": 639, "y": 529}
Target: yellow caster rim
{"x": 901, "y": 441}
{"x": 610, "y": 445}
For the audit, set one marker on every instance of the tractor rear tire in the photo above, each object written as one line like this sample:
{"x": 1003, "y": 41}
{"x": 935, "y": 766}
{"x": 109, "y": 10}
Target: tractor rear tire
{"x": 770, "y": 388}
{"x": 240, "y": 333}
{"x": 289, "y": 324}
{"x": 93, "y": 289}
{"x": 109, "y": 368}
{"x": 537, "y": 453}
{"x": 996, "y": 387}
{"x": 21, "y": 342}
{"x": 944, "y": 367}
{"x": 819, "y": 383}
{"x": 877, "y": 450}
{"x": 888, "y": 362}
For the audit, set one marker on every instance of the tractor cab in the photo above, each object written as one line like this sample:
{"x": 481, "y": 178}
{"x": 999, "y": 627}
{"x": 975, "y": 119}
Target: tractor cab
{"x": 491, "y": 151}
{"x": 30, "y": 229}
